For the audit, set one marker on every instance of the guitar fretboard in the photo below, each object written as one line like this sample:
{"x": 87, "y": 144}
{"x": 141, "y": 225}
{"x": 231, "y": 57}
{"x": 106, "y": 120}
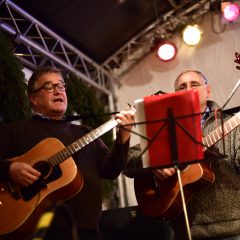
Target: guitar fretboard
{"x": 81, "y": 142}
{"x": 221, "y": 131}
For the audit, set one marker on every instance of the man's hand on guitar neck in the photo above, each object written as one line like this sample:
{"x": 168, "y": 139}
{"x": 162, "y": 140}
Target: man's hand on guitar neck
{"x": 23, "y": 173}
{"x": 164, "y": 173}
{"x": 125, "y": 121}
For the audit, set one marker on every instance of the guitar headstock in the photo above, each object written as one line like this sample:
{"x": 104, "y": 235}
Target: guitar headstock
{"x": 237, "y": 60}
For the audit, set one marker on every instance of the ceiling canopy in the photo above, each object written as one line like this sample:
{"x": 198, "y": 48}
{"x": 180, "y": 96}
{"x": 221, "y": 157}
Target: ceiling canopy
{"x": 98, "y": 28}
{"x": 100, "y": 40}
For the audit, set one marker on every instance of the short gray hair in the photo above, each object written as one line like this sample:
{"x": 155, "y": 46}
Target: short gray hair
{"x": 191, "y": 70}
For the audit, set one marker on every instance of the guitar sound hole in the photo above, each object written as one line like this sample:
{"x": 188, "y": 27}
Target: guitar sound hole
{"x": 29, "y": 192}
{"x": 43, "y": 167}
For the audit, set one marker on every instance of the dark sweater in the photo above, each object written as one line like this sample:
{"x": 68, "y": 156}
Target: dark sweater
{"x": 94, "y": 161}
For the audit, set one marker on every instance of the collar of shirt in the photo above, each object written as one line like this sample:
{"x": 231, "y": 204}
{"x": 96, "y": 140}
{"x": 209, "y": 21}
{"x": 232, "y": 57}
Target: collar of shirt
{"x": 40, "y": 115}
{"x": 205, "y": 116}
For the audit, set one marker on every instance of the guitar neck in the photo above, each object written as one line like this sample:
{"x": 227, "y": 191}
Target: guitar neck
{"x": 81, "y": 142}
{"x": 222, "y": 131}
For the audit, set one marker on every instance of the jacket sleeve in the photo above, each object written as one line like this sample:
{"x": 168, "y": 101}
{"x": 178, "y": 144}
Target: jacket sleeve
{"x": 113, "y": 161}
{"x": 4, "y": 169}
{"x": 4, "y": 149}
{"x": 237, "y": 149}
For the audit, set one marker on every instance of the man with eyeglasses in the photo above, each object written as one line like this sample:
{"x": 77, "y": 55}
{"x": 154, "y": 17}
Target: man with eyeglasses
{"x": 213, "y": 212}
{"x": 47, "y": 96}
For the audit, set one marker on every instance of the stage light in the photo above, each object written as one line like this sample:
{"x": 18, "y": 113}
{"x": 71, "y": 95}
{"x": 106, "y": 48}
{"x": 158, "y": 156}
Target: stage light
{"x": 192, "y": 35}
{"x": 166, "y": 51}
{"x": 230, "y": 11}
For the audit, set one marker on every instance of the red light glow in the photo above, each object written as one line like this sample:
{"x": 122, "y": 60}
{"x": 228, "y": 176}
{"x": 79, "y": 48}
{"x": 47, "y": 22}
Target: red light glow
{"x": 167, "y": 51}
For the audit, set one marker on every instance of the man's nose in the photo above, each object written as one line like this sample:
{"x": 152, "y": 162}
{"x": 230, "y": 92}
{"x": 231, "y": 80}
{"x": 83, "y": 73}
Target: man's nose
{"x": 189, "y": 87}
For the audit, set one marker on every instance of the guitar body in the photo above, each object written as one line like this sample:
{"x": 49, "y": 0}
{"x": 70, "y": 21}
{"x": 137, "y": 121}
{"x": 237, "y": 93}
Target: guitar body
{"x": 20, "y": 208}
{"x": 162, "y": 198}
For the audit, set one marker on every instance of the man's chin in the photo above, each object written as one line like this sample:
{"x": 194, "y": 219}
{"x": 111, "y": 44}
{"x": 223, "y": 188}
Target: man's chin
{"x": 59, "y": 111}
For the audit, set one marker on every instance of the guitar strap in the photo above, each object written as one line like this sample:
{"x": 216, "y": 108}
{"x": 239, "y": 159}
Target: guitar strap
{"x": 70, "y": 118}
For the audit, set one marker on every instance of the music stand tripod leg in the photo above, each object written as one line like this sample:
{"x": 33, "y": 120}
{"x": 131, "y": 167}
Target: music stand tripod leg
{"x": 175, "y": 158}
{"x": 183, "y": 203}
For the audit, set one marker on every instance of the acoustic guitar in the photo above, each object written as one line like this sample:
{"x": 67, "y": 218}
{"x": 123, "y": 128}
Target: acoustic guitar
{"x": 21, "y": 207}
{"x": 162, "y": 198}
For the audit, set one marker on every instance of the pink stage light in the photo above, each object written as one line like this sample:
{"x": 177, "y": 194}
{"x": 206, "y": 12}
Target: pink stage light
{"x": 231, "y": 12}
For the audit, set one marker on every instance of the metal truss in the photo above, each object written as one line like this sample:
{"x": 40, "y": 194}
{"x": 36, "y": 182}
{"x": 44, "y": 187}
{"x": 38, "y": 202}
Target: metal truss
{"x": 163, "y": 28}
{"x": 37, "y": 45}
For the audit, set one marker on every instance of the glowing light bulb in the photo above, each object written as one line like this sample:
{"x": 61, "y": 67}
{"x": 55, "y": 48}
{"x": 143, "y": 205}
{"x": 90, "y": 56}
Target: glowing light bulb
{"x": 167, "y": 51}
{"x": 192, "y": 35}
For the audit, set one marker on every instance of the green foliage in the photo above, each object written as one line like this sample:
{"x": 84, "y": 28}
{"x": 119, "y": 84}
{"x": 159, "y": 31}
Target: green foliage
{"x": 13, "y": 102}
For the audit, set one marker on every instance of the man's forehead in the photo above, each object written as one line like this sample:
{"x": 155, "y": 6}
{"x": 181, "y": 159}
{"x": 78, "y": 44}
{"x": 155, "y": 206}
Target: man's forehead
{"x": 190, "y": 77}
{"x": 51, "y": 77}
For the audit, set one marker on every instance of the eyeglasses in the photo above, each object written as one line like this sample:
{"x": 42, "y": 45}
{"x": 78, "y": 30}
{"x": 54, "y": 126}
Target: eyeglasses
{"x": 185, "y": 86}
{"x": 50, "y": 87}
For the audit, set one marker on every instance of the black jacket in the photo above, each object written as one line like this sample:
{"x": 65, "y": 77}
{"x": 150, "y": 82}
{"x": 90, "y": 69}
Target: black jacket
{"x": 94, "y": 161}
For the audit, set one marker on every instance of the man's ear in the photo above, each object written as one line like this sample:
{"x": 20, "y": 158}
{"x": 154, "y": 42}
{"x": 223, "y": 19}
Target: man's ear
{"x": 208, "y": 91}
{"x": 32, "y": 99}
